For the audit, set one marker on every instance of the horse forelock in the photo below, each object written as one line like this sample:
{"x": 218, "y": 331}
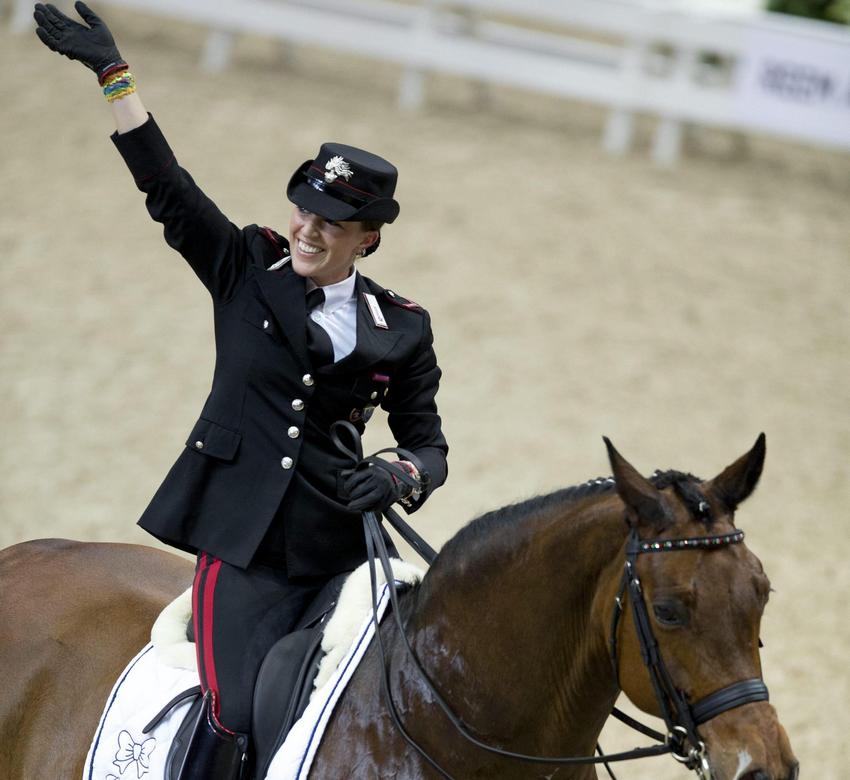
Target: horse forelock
{"x": 686, "y": 487}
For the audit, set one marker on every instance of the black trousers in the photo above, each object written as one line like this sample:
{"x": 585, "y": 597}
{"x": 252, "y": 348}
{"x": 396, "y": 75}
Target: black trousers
{"x": 238, "y": 615}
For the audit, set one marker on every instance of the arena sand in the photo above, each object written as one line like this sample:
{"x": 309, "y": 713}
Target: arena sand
{"x": 679, "y": 312}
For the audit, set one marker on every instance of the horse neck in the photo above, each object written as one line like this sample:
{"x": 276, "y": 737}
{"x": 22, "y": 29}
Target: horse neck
{"x": 510, "y": 628}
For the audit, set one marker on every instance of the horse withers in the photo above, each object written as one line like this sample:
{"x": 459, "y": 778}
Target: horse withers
{"x": 516, "y": 625}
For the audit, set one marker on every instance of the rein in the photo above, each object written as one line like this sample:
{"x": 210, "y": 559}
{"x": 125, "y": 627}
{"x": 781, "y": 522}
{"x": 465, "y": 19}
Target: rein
{"x": 682, "y": 740}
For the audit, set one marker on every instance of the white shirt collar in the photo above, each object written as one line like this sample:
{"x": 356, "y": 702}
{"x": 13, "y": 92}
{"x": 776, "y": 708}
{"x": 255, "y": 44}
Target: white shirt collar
{"x": 337, "y": 294}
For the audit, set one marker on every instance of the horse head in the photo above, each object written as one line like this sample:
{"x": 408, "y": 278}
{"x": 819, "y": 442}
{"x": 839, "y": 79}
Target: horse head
{"x": 704, "y": 595}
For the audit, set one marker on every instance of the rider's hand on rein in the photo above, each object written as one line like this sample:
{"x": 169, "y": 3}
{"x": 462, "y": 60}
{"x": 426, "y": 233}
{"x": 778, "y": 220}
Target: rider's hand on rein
{"x": 373, "y": 489}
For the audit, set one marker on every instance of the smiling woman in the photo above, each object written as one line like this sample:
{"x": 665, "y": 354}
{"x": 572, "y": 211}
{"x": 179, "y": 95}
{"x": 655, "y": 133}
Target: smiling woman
{"x": 339, "y": 215}
{"x": 259, "y": 493}
{"x": 324, "y": 250}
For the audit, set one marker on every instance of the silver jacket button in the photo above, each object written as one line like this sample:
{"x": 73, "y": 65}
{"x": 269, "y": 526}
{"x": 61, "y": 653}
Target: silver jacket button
{"x": 199, "y": 445}
{"x": 297, "y": 404}
{"x": 287, "y": 462}
{"x": 307, "y": 379}
{"x": 294, "y": 432}
{"x": 374, "y": 395}
{"x": 265, "y": 324}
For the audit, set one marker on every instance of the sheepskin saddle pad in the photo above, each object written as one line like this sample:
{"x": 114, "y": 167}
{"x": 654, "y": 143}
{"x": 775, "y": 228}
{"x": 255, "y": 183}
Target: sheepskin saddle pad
{"x": 155, "y": 701}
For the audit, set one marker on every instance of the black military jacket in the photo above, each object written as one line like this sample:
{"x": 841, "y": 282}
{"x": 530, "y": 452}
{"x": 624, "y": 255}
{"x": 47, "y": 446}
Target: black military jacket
{"x": 259, "y": 464}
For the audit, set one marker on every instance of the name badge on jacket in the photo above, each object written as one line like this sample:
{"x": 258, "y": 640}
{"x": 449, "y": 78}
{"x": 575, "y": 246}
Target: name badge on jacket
{"x": 375, "y": 311}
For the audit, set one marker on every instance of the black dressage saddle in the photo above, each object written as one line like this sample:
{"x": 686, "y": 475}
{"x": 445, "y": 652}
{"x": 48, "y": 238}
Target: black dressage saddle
{"x": 281, "y": 693}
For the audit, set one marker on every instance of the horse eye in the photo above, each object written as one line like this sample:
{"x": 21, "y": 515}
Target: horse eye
{"x": 669, "y": 614}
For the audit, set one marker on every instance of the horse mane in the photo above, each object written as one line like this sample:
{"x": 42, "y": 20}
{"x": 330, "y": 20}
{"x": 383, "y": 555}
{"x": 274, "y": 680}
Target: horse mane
{"x": 487, "y": 526}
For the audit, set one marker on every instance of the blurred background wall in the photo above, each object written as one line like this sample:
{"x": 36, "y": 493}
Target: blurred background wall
{"x": 678, "y": 303}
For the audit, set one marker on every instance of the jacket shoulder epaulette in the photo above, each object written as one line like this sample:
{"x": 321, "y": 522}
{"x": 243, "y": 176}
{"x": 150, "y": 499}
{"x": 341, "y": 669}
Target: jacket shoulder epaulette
{"x": 393, "y": 297}
{"x": 278, "y": 242}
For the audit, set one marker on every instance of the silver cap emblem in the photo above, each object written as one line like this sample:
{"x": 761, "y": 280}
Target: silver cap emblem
{"x": 336, "y": 167}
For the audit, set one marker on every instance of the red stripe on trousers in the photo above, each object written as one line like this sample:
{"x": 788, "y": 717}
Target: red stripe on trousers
{"x": 207, "y": 643}
{"x": 196, "y": 620}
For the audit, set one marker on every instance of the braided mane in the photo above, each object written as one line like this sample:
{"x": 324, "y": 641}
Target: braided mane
{"x": 507, "y": 517}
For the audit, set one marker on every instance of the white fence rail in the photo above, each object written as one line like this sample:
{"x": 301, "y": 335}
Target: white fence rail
{"x": 748, "y": 72}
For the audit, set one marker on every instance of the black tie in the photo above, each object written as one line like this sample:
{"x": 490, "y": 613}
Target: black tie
{"x": 319, "y": 343}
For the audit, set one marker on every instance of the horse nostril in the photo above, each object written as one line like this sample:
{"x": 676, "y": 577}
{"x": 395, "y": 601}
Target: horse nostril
{"x": 762, "y": 774}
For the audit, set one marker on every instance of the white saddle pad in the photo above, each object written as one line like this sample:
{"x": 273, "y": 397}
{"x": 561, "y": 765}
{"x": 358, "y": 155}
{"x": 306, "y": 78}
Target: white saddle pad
{"x": 167, "y": 667}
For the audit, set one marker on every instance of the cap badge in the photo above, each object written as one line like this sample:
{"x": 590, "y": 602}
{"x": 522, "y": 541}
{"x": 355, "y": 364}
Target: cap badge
{"x": 336, "y": 167}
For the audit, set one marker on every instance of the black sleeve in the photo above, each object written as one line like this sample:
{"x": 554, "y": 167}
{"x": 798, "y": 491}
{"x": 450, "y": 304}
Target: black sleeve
{"x": 412, "y": 413}
{"x": 193, "y": 225}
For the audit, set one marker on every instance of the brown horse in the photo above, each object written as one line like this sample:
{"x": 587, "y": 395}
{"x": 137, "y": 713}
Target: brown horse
{"x": 512, "y": 623}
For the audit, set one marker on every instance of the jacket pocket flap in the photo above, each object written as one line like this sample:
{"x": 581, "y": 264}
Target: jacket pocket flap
{"x": 211, "y": 439}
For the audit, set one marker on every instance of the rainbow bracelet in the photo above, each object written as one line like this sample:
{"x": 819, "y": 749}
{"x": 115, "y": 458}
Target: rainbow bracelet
{"x": 119, "y": 86}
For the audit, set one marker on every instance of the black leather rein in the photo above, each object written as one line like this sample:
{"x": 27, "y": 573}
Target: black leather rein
{"x": 682, "y": 740}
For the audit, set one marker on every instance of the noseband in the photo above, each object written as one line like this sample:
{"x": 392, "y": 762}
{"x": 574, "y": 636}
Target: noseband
{"x": 680, "y": 717}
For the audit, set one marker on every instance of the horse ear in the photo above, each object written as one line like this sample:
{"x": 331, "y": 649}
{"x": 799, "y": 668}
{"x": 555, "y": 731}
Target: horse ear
{"x": 639, "y": 495}
{"x": 736, "y": 482}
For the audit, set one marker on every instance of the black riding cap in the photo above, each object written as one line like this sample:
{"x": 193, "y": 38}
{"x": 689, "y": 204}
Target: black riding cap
{"x": 345, "y": 183}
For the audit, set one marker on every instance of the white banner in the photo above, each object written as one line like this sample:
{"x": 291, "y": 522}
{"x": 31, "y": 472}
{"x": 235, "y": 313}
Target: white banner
{"x": 796, "y": 86}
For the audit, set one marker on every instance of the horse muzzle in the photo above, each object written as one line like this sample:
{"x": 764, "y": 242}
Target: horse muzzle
{"x": 749, "y": 743}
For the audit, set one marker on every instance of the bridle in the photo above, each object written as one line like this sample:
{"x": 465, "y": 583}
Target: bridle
{"x": 681, "y": 718}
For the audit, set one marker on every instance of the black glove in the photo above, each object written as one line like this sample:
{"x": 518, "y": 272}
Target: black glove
{"x": 373, "y": 489}
{"x": 92, "y": 45}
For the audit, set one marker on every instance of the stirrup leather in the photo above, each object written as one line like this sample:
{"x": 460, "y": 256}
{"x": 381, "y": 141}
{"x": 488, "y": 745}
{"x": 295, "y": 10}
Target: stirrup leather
{"x": 210, "y": 753}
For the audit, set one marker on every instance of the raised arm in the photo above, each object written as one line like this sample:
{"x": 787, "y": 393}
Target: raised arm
{"x": 193, "y": 224}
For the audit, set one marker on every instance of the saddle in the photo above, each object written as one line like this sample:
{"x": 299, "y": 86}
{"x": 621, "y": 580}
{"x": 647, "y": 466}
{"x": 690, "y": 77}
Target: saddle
{"x": 281, "y": 692}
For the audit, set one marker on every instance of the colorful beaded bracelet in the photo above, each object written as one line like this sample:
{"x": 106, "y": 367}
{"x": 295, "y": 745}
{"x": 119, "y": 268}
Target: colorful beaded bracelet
{"x": 119, "y": 86}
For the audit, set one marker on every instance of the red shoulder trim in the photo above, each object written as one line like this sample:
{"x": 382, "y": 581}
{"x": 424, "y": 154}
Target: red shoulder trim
{"x": 404, "y": 303}
{"x": 276, "y": 241}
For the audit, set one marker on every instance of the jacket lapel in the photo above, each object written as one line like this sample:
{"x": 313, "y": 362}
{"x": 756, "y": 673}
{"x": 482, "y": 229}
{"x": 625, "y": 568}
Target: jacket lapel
{"x": 286, "y": 294}
{"x": 373, "y": 343}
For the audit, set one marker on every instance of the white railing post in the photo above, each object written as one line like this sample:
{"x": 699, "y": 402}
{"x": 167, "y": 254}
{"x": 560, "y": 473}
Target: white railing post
{"x": 218, "y": 49}
{"x": 468, "y": 24}
{"x": 411, "y": 93}
{"x": 619, "y": 129}
{"x": 667, "y": 141}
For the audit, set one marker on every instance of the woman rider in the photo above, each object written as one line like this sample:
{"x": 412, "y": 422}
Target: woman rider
{"x": 257, "y": 493}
